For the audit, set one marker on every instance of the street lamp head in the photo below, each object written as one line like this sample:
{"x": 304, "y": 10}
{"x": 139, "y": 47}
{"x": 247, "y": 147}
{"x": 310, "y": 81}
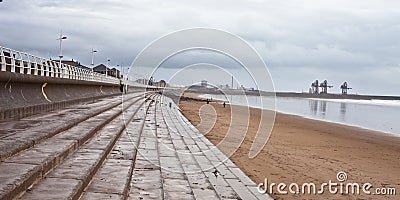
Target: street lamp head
{"x": 94, "y": 51}
{"x": 63, "y": 38}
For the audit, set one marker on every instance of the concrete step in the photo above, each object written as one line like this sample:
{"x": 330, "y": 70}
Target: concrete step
{"x": 114, "y": 176}
{"x": 69, "y": 179}
{"x": 31, "y": 165}
{"x": 19, "y": 135}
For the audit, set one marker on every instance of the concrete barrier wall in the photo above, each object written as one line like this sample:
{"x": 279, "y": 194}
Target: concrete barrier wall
{"x": 22, "y": 95}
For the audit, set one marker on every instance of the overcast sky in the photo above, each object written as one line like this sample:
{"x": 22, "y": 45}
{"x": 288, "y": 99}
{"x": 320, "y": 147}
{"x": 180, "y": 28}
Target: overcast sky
{"x": 300, "y": 40}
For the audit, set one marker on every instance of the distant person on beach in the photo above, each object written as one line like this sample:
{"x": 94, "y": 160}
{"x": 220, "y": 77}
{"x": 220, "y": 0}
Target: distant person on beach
{"x": 170, "y": 104}
{"x": 208, "y": 101}
{"x": 224, "y": 104}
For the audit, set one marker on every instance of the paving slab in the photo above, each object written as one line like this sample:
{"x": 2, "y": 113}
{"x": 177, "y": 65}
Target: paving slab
{"x": 102, "y": 196}
{"x": 221, "y": 186}
{"x": 78, "y": 166}
{"x": 199, "y": 181}
{"x": 10, "y": 177}
{"x": 123, "y": 150}
{"x": 67, "y": 188}
{"x": 205, "y": 194}
{"x": 17, "y": 145}
{"x": 139, "y": 193}
{"x": 47, "y": 155}
{"x": 112, "y": 177}
{"x": 242, "y": 177}
{"x": 178, "y": 195}
{"x": 142, "y": 188}
{"x": 259, "y": 195}
{"x": 241, "y": 189}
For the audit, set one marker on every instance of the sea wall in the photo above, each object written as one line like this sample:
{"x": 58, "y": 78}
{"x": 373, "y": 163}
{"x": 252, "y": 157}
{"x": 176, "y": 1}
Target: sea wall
{"x": 22, "y": 95}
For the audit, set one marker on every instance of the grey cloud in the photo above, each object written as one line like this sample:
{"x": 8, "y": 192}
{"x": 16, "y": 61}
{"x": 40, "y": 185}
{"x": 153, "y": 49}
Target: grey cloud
{"x": 299, "y": 39}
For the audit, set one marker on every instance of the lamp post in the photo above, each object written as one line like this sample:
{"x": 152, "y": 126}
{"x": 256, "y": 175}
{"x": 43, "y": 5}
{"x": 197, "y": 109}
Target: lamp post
{"x": 93, "y": 51}
{"x": 126, "y": 80}
{"x": 61, "y": 38}
{"x": 108, "y": 63}
{"x": 127, "y": 74}
{"x": 116, "y": 74}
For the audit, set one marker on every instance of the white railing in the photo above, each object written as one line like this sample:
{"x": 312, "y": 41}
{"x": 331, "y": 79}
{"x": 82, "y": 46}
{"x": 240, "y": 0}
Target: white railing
{"x": 25, "y": 63}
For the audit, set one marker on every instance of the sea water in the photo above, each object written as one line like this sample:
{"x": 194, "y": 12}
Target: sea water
{"x": 379, "y": 115}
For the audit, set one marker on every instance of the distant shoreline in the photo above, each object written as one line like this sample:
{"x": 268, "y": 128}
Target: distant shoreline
{"x": 291, "y": 94}
{"x": 336, "y": 96}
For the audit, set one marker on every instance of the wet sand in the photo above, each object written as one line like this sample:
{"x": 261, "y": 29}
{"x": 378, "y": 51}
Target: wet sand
{"x": 302, "y": 150}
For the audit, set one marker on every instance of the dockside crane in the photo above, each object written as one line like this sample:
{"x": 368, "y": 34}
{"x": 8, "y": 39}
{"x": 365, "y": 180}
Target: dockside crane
{"x": 315, "y": 87}
{"x": 324, "y": 85}
{"x": 344, "y": 88}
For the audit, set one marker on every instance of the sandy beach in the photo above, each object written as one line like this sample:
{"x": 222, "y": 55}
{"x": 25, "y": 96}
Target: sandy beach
{"x": 302, "y": 150}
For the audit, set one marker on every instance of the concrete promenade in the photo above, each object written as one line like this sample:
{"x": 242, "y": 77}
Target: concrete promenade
{"x": 130, "y": 147}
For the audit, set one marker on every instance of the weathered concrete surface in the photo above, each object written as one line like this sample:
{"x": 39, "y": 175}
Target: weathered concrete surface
{"x": 86, "y": 162}
{"x": 11, "y": 180}
{"x": 210, "y": 174}
{"x": 175, "y": 161}
{"x": 32, "y": 164}
{"x": 92, "y": 195}
{"x": 59, "y": 187}
{"x": 23, "y": 134}
{"x": 23, "y": 95}
{"x": 149, "y": 152}
{"x": 114, "y": 176}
